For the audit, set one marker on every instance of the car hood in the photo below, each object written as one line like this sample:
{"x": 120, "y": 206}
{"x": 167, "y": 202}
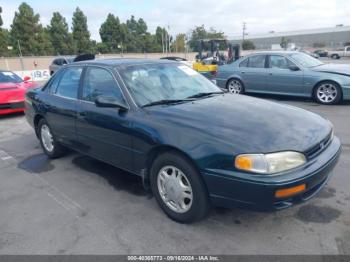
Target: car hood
{"x": 21, "y": 85}
{"x": 341, "y": 69}
{"x": 247, "y": 124}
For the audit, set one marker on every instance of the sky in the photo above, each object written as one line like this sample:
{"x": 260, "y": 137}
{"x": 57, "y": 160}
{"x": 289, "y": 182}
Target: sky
{"x": 261, "y": 16}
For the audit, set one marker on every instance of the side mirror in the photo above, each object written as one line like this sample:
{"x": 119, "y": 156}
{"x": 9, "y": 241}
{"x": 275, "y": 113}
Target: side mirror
{"x": 108, "y": 101}
{"x": 294, "y": 68}
{"x": 26, "y": 78}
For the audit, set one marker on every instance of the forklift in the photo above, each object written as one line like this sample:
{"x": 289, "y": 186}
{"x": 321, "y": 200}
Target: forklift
{"x": 207, "y": 64}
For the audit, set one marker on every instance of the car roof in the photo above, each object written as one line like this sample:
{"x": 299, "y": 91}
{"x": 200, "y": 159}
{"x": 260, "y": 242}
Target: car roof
{"x": 124, "y": 62}
{"x": 275, "y": 52}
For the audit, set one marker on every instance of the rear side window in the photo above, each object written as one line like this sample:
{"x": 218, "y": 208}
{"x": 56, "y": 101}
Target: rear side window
{"x": 57, "y": 61}
{"x": 257, "y": 61}
{"x": 52, "y": 85}
{"x": 100, "y": 82}
{"x": 69, "y": 84}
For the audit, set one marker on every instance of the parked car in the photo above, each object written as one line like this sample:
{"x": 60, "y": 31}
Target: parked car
{"x": 178, "y": 59}
{"x": 12, "y": 92}
{"x": 314, "y": 55}
{"x": 321, "y": 52}
{"x": 287, "y": 73}
{"x": 58, "y": 62}
{"x": 340, "y": 53}
{"x": 191, "y": 143}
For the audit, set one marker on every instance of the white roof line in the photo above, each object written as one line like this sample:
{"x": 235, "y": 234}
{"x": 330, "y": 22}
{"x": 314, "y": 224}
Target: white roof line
{"x": 294, "y": 33}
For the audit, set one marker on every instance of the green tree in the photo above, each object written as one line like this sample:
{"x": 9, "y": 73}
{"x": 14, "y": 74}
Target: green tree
{"x": 179, "y": 45}
{"x": 284, "y": 42}
{"x": 159, "y": 40}
{"x": 111, "y": 34}
{"x": 1, "y": 23}
{"x": 43, "y": 44}
{"x": 81, "y": 34}
{"x": 248, "y": 45}
{"x": 61, "y": 39}
{"x": 28, "y": 32}
{"x": 3, "y": 38}
{"x": 200, "y": 32}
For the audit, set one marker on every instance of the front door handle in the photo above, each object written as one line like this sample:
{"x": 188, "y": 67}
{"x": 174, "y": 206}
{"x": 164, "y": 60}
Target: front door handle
{"x": 82, "y": 114}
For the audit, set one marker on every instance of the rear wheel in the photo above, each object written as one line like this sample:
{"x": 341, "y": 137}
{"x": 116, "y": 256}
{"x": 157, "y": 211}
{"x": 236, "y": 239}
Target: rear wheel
{"x": 51, "y": 147}
{"x": 328, "y": 93}
{"x": 235, "y": 86}
{"x": 335, "y": 56}
{"x": 178, "y": 188}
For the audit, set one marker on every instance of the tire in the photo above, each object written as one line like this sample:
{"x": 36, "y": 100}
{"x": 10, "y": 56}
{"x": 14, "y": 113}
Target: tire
{"x": 195, "y": 206}
{"x": 328, "y": 93}
{"x": 43, "y": 131}
{"x": 335, "y": 56}
{"x": 235, "y": 86}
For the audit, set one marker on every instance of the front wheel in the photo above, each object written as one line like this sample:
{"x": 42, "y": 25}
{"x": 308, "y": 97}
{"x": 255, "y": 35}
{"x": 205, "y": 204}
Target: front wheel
{"x": 328, "y": 93}
{"x": 178, "y": 188}
{"x": 235, "y": 86}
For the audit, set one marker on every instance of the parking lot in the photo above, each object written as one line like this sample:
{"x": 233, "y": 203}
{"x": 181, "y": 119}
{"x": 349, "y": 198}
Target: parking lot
{"x": 77, "y": 205}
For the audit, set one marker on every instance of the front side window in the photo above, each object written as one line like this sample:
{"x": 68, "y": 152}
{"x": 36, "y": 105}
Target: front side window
{"x": 257, "y": 61}
{"x": 100, "y": 82}
{"x": 156, "y": 82}
{"x": 69, "y": 83}
{"x": 244, "y": 63}
{"x": 348, "y": 49}
{"x": 280, "y": 62}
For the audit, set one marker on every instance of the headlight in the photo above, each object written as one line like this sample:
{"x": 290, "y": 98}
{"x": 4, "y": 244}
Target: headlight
{"x": 269, "y": 163}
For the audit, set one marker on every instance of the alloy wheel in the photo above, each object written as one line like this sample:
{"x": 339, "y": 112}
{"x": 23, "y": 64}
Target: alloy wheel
{"x": 327, "y": 92}
{"x": 235, "y": 87}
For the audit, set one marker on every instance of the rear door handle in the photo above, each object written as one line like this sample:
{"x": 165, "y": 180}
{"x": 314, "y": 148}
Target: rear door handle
{"x": 82, "y": 114}
{"x": 242, "y": 72}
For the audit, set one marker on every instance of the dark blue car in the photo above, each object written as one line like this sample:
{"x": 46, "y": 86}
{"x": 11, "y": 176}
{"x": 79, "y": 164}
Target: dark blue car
{"x": 193, "y": 145}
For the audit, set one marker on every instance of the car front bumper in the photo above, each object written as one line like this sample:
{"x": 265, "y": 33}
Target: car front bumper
{"x": 9, "y": 108}
{"x": 231, "y": 189}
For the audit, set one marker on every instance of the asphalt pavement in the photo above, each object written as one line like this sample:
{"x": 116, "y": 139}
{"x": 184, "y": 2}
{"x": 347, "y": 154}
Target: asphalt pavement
{"x": 78, "y": 205}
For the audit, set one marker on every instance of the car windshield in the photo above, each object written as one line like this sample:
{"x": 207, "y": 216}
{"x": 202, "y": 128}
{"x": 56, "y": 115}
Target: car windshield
{"x": 164, "y": 82}
{"x": 9, "y": 77}
{"x": 306, "y": 60}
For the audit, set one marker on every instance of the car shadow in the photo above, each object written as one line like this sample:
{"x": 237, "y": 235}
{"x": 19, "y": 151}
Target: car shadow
{"x": 118, "y": 178}
{"x": 281, "y": 98}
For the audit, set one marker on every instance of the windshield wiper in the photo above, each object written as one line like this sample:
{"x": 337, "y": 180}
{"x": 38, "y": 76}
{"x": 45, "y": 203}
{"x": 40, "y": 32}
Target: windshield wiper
{"x": 204, "y": 94}
{"x": 166, "y": 102}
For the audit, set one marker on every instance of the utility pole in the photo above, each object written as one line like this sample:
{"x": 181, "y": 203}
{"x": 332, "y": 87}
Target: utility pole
{"x": 20, "y": 55}
{"x": 169, "y": 38}
{"x": 163, "y": 40}
{"x": 244, "y": 29}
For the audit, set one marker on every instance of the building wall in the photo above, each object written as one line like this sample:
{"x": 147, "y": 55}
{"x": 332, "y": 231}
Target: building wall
{"x": 332, "y": 40}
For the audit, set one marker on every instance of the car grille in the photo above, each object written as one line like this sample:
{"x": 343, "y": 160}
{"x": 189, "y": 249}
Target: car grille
{"x": 317, "y": 149}
{"x": 12, "y": 105}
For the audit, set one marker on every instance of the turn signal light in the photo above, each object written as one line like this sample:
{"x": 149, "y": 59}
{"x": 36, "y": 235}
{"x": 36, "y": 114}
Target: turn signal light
{"x": 287, "y": 192}
{"x": 244, "y": 162}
